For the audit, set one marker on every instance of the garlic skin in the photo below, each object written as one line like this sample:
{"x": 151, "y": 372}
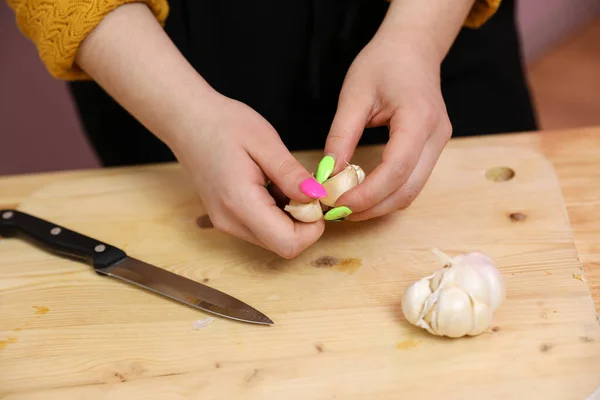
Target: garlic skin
{"x": 305, "y": 212}
{"x": 340, "y": 183}
{"x": 457, "y": 300}
{"x": 359, "y": 173}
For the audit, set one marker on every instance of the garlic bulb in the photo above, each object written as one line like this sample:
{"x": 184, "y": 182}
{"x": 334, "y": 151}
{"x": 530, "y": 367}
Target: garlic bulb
{"x": 340, "y": 183}
{"x": 305, "y": 212}
{"x": 457, "y": 300}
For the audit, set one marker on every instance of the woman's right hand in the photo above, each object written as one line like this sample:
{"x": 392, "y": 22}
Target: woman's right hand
{"x": 231, "y": 152}
{"x": 228, "y": 148}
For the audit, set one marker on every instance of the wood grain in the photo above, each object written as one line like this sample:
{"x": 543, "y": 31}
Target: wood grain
{"x": 572, "y": 152}
{"x": 574, "y": 157}
{"x": 339, "y": 332}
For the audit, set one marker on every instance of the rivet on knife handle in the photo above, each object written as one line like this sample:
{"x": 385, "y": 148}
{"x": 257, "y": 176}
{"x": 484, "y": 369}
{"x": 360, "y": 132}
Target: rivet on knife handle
{"x": 59, "y": 239}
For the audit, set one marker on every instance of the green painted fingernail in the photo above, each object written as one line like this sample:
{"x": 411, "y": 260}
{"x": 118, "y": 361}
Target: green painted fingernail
{"x": 325, "y": 168}
{"x": 337, "y": 213}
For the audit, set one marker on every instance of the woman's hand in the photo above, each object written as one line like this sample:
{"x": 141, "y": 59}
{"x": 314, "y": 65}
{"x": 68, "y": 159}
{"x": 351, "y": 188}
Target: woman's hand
{"x": 395, "y": 81}
{"x": 394, "y": 85}
{"x": 231, "y": 155}
{"x": 228, "y": 148}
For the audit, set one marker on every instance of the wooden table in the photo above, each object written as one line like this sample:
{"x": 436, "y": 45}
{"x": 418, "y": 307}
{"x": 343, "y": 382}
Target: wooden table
{"x": 574, "y": 153}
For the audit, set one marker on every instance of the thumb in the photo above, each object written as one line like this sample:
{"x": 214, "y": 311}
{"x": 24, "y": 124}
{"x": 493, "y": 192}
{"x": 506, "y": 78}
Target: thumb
{"x": 285, "y": 171}
{"x": 351, "y": 117}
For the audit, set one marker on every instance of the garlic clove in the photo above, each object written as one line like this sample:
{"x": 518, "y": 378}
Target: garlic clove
{"x": 341, "y": 183}
{"x": 475, "y": 273}
{"x": 496, "y": 285}
{"x": 414, "y": 299}
{"x": 482, "y": 318}
{"x": 453, "y": 317}
{"x": 483, "y": 267}
{"x": 305, "y": 212}
{"x": 472, "y": 279}
{"x": 359, "y": 173}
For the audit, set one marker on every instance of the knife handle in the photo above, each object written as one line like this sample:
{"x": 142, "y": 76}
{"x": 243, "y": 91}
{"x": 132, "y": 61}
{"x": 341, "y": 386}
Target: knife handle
{"x": 59, "y": 239}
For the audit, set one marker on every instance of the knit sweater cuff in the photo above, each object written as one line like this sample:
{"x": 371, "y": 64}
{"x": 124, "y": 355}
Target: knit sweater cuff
{"x": 481, "y": 12}
{"x": 57, "y": 28}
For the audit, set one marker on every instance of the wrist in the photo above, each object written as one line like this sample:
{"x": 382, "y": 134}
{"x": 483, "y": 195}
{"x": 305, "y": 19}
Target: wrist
{"x": 428, "y": 27}
{"x": 411, "y": 42}
{"x": 193, "y": 118}
{"x": 133, "y": 59}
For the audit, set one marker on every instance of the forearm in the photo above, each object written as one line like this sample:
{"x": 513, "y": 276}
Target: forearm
{"x": 433, "y": 24}
{"x": 133, "y": 59}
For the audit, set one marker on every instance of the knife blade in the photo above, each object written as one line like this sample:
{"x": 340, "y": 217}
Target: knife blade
{"x": 113, "y": 262}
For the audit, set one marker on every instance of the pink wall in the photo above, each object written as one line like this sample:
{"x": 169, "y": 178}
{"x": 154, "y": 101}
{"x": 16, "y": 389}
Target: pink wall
{"x": 36, "y": 113}
{"x": 543, "y": 23}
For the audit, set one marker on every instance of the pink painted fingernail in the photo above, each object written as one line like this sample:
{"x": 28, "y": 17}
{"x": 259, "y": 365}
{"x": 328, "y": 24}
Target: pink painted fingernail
{"x": 312, "y": 188}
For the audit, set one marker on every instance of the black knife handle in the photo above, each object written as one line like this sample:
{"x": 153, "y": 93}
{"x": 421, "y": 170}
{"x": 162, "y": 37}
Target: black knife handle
{"x": 59, "y": 239}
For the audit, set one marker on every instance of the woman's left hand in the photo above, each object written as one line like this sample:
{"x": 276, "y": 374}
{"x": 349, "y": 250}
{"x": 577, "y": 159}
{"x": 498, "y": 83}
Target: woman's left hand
{"x": 395, "y": 81}
{"x": 396, "y": 84}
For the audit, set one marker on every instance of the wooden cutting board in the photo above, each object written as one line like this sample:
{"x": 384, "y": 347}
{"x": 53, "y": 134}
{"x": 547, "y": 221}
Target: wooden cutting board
{"x": 67, "y": 332}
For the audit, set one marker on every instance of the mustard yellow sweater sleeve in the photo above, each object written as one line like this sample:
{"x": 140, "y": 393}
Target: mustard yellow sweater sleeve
{"x": 57, "y": 27}
{"x": 481, "y": 12}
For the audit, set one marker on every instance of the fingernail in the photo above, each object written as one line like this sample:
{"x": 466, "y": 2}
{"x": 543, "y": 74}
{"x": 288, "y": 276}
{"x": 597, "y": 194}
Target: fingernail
{"x": 312, "y": 188}
{"x": 337, "y": 213}
{"x": 325, "y": 168}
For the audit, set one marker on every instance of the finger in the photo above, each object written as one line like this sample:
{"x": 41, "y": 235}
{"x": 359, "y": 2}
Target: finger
{"x": 351, "y": 117}
{"x": 230, "y": 225}
{"x": 281, "y": 200}
{"x": 408, "y": 192}
{"x": 410, "y": 128}
{"x": 284, "y": 170}
{"x": 274, "y": 228}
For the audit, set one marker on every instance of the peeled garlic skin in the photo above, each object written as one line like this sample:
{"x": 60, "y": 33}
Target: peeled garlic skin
{"x": 305, "y": 212}
{"x": 462, "y": 297}
{"x": 340, "y": 183}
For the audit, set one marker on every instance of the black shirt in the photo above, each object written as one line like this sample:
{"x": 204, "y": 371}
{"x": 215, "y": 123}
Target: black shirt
{"x": 287, "y": 60}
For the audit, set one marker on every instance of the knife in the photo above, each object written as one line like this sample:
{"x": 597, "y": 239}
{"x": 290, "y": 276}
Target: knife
{"x": 110, "y": 261}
